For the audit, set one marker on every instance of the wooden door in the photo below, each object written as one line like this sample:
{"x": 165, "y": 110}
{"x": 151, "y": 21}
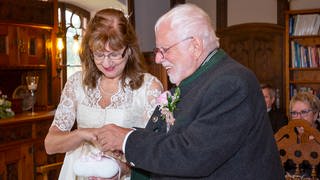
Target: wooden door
{"x": 16, "y": 163}
{"x": 258, "y": 46}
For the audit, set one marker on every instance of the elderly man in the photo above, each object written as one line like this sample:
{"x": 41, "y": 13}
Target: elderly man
{"x": 214, "y": 125}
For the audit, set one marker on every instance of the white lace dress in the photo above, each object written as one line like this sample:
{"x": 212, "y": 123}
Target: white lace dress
{"x": 128, "y": 108}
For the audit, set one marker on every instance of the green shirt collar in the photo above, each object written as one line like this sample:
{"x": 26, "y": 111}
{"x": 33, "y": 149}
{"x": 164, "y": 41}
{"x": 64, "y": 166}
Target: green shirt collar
{"x": 213, "y": 58}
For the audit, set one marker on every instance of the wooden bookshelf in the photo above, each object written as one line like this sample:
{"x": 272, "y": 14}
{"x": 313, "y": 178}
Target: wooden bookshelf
{"x": 302, "y": 53}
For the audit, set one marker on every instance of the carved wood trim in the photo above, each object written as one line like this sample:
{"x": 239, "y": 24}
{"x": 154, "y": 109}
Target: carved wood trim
{"x": 176, "y": 2}
{"x": 131, "y": 12}
{"x": 282, "y": 7}
{"x": 222, "y": 14}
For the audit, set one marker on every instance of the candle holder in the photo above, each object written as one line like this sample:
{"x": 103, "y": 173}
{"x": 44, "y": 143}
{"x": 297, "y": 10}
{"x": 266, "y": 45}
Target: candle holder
{"x": 32, "y": 83}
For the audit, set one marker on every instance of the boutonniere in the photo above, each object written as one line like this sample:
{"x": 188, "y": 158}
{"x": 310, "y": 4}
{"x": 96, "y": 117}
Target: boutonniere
{"x": 168, "y": 104}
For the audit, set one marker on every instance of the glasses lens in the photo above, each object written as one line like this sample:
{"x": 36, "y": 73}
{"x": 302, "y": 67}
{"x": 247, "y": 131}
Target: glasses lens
{"x": 114, "y": 56}
{"x": 294, "y": 114}
{"x": 98, "y": 55}
{"x": 303, "y": 113}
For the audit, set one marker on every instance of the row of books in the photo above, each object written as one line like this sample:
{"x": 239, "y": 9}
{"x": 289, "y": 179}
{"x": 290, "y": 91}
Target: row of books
{"x": 294, "y": 90}
{"x": 306, "y": 24}
{"x": 304, "y": 56}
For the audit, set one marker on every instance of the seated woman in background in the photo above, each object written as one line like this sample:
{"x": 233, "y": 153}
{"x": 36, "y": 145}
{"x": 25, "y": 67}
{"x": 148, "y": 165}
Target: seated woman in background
{"x": 305, "y": 106}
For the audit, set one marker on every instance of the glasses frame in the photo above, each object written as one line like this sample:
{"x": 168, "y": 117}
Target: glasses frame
{"x": 302, "y": 113}
{"x": 163, "y": 50}
{"x": 99, "y": 60}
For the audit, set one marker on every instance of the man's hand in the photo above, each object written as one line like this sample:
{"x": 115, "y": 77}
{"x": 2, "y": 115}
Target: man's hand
{"x": 111, "y": 137}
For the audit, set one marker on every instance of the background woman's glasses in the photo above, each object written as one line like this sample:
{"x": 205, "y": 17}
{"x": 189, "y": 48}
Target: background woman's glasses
{"x": 302, "y": 113}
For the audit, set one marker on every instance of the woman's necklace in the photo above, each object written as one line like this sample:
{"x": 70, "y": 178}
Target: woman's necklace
{"x": 111, "y": 88}
{"x": 105, "y": 92}
{"x": 107, "y": 95}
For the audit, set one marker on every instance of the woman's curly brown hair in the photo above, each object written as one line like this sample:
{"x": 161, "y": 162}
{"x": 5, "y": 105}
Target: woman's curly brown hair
{"x": 112, "y": 27}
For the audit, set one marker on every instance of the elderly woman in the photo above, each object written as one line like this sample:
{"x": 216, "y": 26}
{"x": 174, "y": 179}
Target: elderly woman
{"x": 306, "y": 106}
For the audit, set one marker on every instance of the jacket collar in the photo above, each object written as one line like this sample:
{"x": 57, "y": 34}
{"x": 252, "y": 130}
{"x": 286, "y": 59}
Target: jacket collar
{"x": 213, "y": 58}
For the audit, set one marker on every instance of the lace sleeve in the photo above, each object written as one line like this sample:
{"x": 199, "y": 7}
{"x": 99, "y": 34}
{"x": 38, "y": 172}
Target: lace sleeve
{"x": 153, "y": 90}
{"x": 66, "y": 111}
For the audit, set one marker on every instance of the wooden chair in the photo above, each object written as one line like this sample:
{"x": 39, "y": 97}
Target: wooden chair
{"x": 45, "y": 169}
{"x": 299, "y": 147}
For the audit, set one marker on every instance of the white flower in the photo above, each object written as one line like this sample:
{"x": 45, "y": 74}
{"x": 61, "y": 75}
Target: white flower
{"x": 5, "y": 107}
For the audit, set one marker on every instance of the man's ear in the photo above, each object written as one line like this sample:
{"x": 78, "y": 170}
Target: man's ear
{"x": 197, "y": 47}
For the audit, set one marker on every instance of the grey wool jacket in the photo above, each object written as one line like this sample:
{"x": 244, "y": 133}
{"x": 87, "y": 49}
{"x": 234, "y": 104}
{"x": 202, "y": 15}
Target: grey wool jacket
{"x": 221, "y": 132}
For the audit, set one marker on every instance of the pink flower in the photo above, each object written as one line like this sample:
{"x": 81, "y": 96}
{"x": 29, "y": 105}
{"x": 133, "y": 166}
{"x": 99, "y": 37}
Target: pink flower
{"x": 163, "y": 98}
{"x": 167, "y": 104}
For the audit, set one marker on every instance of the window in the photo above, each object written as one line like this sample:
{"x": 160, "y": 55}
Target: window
{"x": 73, "y": 38}
{"x": 73, "y": 20}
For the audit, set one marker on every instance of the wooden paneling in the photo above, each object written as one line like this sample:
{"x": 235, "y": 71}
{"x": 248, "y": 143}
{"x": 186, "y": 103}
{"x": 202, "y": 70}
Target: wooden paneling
{"x": 157, "y": 70}
{"x": 222, "y": 14}
{"x": 21, "y": 146}
{"x": 27, "y": 12}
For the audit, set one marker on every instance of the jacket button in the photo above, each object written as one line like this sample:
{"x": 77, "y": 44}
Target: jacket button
{"x": 154, "y": 119}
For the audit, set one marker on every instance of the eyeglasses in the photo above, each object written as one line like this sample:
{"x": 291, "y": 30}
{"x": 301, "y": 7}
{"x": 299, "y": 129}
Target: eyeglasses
{"x": 302, "y": 113}
{"x": 163, "y": 50}
{"x": 115, "y": 56}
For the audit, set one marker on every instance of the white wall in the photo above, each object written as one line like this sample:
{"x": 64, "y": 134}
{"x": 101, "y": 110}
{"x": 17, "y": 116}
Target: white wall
{"x": 146, "y": 14}
{"x": 239, "y": 11}
{"x": 304, "y": 4}
{"x": 242, "y": 11}
{"x": 209, "y": 6}
{"x": 248, "y": 11}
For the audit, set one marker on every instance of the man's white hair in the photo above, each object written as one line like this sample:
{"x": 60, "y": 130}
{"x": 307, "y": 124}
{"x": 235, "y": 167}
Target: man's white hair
{"x": 189, "y": 20}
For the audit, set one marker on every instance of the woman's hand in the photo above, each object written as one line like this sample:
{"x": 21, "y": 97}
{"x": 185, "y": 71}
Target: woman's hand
{"x": 88, "y": 134}
{"x": 58, "y": 141}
